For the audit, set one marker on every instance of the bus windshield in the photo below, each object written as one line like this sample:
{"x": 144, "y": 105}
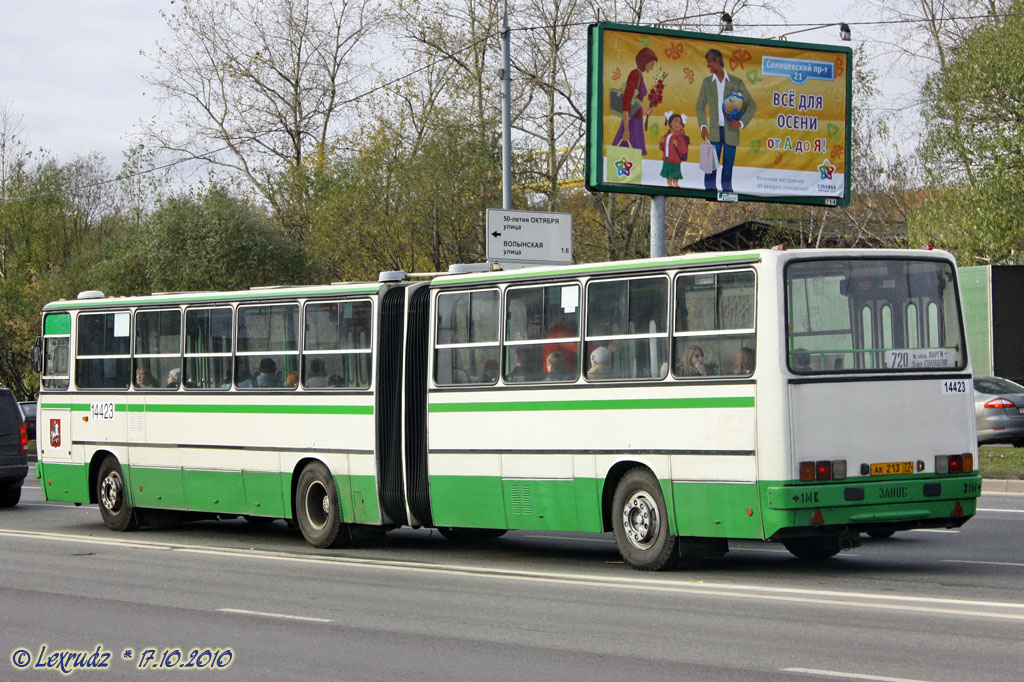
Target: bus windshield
{"x": 884, "y": 315}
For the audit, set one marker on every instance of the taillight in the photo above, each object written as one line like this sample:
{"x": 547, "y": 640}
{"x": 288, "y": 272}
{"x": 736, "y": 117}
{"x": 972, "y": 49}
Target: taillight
{"x": 806, "y": 471}
{"x": 24, "y": 440}
{"x": 954, "y": 464}
{"x": 823, "y": 470}
{"x": 998, "y": 403}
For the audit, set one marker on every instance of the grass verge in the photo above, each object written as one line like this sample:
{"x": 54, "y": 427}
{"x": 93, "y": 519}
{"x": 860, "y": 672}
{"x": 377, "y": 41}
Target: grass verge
{"x": 1001, "y": 462}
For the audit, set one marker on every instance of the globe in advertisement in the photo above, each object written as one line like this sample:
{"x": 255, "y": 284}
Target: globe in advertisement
{"x": 733, "y": 106}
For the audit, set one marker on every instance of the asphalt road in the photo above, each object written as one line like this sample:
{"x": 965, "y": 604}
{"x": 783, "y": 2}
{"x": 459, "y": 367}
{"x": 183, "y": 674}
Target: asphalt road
{"x": 241, "y": 603}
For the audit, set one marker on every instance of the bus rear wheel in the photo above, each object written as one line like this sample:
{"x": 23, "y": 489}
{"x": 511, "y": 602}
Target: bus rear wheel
{"x": 640, "y": 523}
{"x": 317, "y": 509}
{"x": 112, "y": 496}
{"x": 813, "y": 548}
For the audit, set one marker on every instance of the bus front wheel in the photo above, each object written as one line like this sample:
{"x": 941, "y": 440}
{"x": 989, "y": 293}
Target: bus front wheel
{"x": 317, "y": 509}
{"x": 813, "y": 548}
{"x": 640, "y": 522}
{"x": 112, "y": 496}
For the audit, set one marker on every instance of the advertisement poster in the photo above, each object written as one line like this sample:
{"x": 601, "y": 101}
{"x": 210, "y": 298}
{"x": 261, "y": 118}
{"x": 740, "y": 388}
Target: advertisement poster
{"x": 691, "y": 114}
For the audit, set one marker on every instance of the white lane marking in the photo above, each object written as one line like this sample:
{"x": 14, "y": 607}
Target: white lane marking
{"x": 51, "y": 505}
{"x": 555, "y": 537}
{"x": 246, "y": 612}
{"x": 988, "y": 563}
{"x": 935, "y": 605}
{"x": 934, "y": 530}
{"x": 1003, "y": 511}
{"x": 850, "y": 676}
{"x": 766, "y": 551}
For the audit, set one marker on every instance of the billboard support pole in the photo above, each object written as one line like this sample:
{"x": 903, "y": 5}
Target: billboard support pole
{"x": 657, "y": 226}
{"x": 506, "y": 114}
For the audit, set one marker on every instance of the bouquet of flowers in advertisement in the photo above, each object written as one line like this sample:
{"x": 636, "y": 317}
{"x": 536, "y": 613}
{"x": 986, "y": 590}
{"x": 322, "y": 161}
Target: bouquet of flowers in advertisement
{"x": 657, "y": 93}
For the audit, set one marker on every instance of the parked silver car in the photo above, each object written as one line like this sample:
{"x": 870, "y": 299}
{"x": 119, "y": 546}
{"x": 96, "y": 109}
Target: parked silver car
{"x": 999, "y": 408}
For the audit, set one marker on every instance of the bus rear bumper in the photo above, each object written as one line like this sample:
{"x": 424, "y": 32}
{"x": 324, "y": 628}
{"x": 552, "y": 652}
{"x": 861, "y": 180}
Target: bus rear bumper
{"x": 864, "y": 506}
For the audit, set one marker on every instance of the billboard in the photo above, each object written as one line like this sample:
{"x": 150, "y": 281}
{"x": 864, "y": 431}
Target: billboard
{"x": 691, "y": 114}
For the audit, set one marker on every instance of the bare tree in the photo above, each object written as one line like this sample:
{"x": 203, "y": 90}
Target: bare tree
{"x": 257, "y": 86}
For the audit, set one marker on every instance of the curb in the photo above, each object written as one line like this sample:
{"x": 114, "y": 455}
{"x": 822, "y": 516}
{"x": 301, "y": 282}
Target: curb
{"x": 994, "y": 485}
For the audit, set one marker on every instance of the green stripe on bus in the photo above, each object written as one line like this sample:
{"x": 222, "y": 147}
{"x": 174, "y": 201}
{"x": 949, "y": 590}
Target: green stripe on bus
{"x": 200, "y": 297}
{"x": 585, "y": 270}
{"x": 624, "y": 404}
{"x": 221, "y": 409}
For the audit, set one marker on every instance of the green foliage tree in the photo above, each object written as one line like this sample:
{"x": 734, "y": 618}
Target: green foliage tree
{"x": 972, "y": 150}
{"x": 402, "y": 203}
{"x": 209, "y": 241}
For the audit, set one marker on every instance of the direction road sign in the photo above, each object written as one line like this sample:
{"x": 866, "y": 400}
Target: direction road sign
{"x": 529, "y": 237}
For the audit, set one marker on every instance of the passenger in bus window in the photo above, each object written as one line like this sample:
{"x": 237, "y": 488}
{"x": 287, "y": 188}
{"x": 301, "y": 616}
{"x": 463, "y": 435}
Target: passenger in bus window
{"x": 556, "y": 367}
{"x": 490, "y": 374}
{"x": 292, "y": 380}
{"x": 525, "y": 367}
{"x": 744, "y": 361}
{"x": 459, "y": 376}
{"x": 802, "y": 360}
{"x": 268, "y": 377}
{"x": 174, "y": 378}
{"x": 317, "y": 374}
{"x": 601, "y": 364}
{"x": 144, "y": 378}
{"x": 693, "y": 362}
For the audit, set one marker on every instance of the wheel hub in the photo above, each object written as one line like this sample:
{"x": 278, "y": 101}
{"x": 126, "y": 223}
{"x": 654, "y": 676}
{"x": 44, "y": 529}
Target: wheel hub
{"x": 111, "y": 492}
{"x": 318, "y": 505}
{"x": 640, "y": 520}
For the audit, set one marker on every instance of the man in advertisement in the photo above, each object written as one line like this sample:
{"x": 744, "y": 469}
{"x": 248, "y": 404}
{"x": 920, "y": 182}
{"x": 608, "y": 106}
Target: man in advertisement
{"x": 724, "y": 107}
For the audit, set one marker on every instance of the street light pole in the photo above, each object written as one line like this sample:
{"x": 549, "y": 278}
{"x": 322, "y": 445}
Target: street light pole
{"x": 506, "y": 113}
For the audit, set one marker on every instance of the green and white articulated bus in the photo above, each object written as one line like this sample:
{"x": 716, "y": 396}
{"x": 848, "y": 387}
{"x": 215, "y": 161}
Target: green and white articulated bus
{"x": 801, "y": 396}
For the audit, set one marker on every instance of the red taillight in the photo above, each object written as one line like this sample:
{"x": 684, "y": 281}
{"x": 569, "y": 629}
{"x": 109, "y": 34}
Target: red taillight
{"x": 956, "y": 464}
{"x": 24, "y": 440}
{"x": 999, "y": 403}
{"x": 823, "y": 470}
{"x": 806, "y": 471}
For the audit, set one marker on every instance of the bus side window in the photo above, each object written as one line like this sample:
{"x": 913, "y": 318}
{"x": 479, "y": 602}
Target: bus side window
{"x": 466, "y": 338}
{"x": 157, "y": 348}
{"x": 714, "y": 324}
{"x": 336, "y": 351}
{"x": 627, "y": 326}
{"x": 56, "y": 351}
{"x": 103, "y": 358}
{"x": 535, "y": 316}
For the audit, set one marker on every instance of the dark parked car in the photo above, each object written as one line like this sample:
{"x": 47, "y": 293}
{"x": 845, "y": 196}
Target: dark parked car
{"x": 28, "y": 412}
{"x": 13, "y": 450}
{"x": 999, "y": 408}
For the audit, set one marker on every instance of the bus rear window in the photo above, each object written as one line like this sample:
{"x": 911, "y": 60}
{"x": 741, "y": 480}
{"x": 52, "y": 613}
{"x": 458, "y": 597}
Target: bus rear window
{"x": 884, "y": 315}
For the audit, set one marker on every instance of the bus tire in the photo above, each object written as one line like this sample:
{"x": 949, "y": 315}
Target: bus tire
{"x": 813, "y": 548}
{"x": 640, "y": 522}
{"x": 112, "y": 497}
{"x": 317, "y": 509}
{"x": 470, "y": 535}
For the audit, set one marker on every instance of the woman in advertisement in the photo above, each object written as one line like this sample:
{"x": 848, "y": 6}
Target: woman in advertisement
{"x": 631, "y": 130}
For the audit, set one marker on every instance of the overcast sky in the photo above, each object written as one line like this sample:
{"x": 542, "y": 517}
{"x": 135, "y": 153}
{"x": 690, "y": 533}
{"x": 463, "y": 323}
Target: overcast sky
{"x": 72, "y": 69}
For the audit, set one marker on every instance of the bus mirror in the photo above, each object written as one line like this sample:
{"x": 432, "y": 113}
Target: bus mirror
{"x": 37, "y": 355}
